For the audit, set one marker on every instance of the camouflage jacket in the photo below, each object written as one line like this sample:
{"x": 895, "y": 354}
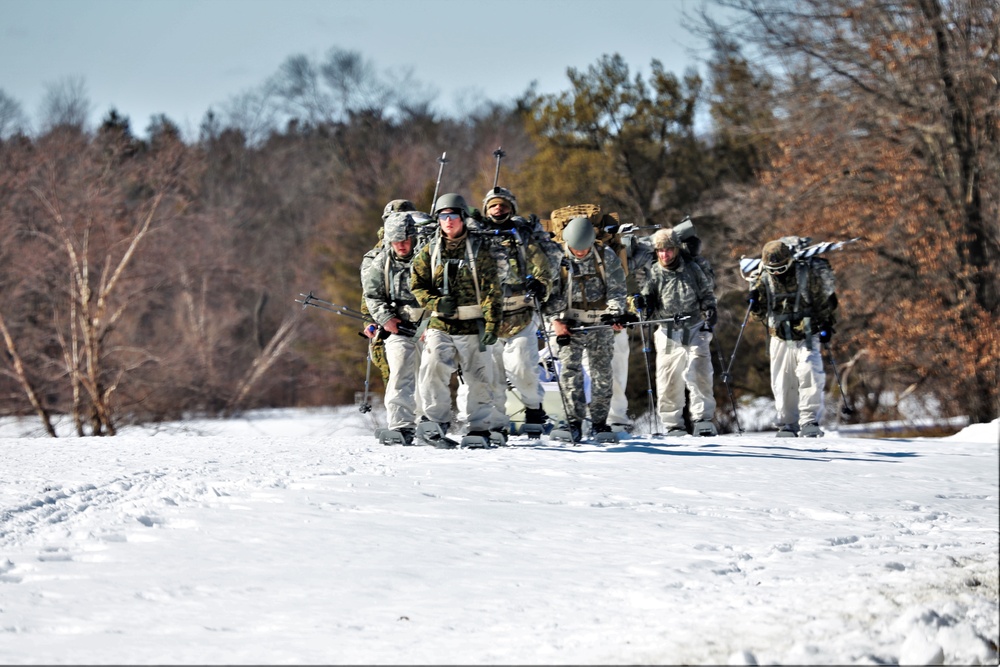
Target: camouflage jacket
{"x": 683, "y": 291}
{"x": 518, "y": 254}
{"x": 797, "y": 303}
{"x": 593, "y": 284}
{"x": 385, "y": 286}
{"x": 428, "y": 282}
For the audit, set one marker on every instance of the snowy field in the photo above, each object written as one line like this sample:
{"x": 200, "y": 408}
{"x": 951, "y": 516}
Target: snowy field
{"x": 292, "y": 537}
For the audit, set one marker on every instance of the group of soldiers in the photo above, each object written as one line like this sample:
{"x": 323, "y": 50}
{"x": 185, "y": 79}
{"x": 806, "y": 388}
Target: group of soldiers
{"x": 485, "y": 293}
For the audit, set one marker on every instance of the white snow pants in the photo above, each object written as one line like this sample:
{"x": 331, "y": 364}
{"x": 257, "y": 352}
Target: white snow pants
{"x": 401, "y": 392}
{"x": 516, "y": 359}
{"x": 797, "y": 380}
{"x": 443, "y": 355}
{"x": 618, "y": 414}
{"x": 679, "y": 366}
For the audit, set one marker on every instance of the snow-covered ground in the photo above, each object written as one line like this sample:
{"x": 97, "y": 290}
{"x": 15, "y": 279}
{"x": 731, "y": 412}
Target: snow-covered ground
{"x": 292, "y": 537}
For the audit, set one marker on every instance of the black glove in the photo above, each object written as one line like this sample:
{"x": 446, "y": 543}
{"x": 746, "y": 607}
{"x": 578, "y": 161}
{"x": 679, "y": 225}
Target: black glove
{"x": 407, "y": 329}
{"x": 754, "y": 296}
{"x": 711, "y": 317}
{"x": 447, "y": 305}
{"x": 623, "y": 319}
{"x": 639, "y": 301}
{"x": 826, "y": 332}
{"x": 563, "y": 340}
{"x": 536, "y": 287}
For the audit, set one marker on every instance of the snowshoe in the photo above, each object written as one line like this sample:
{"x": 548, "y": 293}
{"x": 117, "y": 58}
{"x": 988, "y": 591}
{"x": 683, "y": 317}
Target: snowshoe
{"x": 476, "y": 440}
{"x": 675, "y": 432}
{"x": 389, "y": 437}
{"x": 431, "y": 434}
{"x": 604, "y": 435}
{"x": 569, "y": 433}
{"x": 705, "y": 428}
{"x": 533, "y": 431}
{"x": 788, "y": 431}
{"x": 498, "y": 437}
{"x": 811, "y": 430}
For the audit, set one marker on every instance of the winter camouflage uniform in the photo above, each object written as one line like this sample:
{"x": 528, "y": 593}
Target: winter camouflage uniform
{"x": 386, "y": 289}
{"x": 681, "y": 291}
{"x": 590, "y": 287}
{"x": 376, "y": 348}
{"x": 795, "y": 304}
{"x": 447, "y": 267}
{"x": 519, "y": 254}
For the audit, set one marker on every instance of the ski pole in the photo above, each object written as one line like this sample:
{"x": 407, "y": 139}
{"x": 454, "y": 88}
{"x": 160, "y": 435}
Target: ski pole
{"x": 498, "y": 154}
{"x": 441, "y": 161}
{"x": 725, "y": 374}
{"x": 845, "y": 409}
{"x": 548, "y": 346}
{"x": 654, "y": 418}
{"x": 725, "y": 380}
{"x": 315, "y": 302}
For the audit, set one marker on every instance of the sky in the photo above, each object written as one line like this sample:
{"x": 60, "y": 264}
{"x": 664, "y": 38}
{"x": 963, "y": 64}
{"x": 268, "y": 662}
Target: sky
{"x": 292, "y": 537}
{"x": 183, "y": 57}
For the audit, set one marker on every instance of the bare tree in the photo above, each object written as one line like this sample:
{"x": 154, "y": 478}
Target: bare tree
{"x": 12, "y": 118}
{"x": 65, "y": 103}
{"x": 891, "y": 129}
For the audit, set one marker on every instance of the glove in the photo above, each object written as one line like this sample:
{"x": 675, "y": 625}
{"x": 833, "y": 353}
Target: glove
{"x": 408, "y": 329}
{"x": 639, "y": 301}
{"x": 536, "y": 287}
{"x": 447, "y": 305}
{"x": 489, "y": 338}
{"x": 623, "y": 319}
{"x": 563, "y": 340}
{"x": 826, "y": 332}
{"x": 754, "y": 296}
{"x": 711, "y": 317}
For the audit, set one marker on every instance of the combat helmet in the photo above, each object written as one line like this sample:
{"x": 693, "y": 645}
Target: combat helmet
{"x": 396, "y": 206}
{"x": 451, "y": 200}
{"x": 503, "y": 194}
{"x": 776, "y": 257}
{"x": 399, "y": 227}
{"x": 579, "y": 233}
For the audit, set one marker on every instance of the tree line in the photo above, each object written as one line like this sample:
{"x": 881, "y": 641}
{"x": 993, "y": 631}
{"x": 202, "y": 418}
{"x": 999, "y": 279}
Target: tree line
{"x": 147, "y": 279}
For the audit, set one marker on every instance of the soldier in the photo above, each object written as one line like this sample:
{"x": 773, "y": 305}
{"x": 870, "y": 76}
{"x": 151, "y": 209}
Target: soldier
{"x": 525, "y": 274}
{"x": 797, "y": 301}
{"x": 455, "y": 277}
{"x": 592, "y": 293}
{"x": 679, "y": 290}
{"x": 377, "y": 347}
{"x": 386, "y": 289}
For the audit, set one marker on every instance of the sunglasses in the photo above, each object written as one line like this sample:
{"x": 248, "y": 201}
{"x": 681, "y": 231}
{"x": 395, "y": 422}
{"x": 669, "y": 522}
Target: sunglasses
{"x": 449, "y": 216}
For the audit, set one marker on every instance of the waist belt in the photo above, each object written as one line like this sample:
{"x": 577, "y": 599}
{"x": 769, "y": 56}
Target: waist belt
{"x": 464, "y": 313}
{"x": 517, "y": 302}
{"x": 684, "y": 327}
{"x": 411, "y": 313}
{"x": 584, "y": 316}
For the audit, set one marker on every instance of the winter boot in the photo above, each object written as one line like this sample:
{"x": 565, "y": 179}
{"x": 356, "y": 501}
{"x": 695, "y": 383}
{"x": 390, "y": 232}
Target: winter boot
{"x": 534, "y": 423}
{"x": 498, "y": 437}
{"x": 568, "y": 433}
